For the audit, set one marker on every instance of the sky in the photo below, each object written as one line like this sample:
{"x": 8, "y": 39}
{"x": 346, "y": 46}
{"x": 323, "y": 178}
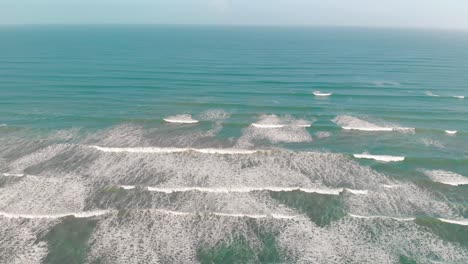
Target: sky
{"x": 448, "y": 14}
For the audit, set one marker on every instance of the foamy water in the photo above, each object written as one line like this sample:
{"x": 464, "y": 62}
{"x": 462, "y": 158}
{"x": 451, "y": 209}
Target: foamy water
{"x": 177, "y": 150}
{"x": 446, "y": 177}
{"x": 217, "y": 146}
{"x": 253, "y": 189}
{"x": 463, "y": 222}
{"x": 322, "y": 94}
{"x": 275, "y": 129}
{"x": 181, "y": 119}
{"x": 382, "y": 158}
{"x": 432, "y": 94}
{"x": 354, "y": 123}
{"x": 383, "y": 217}
{"x": 267, "y": 125}
{"x": 55, "y": 216}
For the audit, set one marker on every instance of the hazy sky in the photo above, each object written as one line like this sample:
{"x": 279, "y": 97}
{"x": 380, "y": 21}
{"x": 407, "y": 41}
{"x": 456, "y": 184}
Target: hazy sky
{"x": 391, "y": 13}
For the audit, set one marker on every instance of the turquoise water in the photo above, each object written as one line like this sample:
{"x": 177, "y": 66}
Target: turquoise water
{"x": 65, "y": 89}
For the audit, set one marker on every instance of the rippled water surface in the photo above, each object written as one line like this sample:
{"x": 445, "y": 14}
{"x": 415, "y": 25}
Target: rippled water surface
{"x": 172, "y": 144}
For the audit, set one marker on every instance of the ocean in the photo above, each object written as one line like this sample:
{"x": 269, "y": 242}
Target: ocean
{"x": 229, "y": 144}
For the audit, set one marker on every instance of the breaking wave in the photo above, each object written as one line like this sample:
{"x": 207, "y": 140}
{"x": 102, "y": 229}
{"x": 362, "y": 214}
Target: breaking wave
{"x": 275, "y": 129}
{"x": 383, "y": 158}
{"x": 446, "y": 177}
{"x": 354, "y": 123}
{"x": 165, "y": 204}
{"x": 181, "y": 119}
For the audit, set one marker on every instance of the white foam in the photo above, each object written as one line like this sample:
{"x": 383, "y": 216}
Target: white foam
{"x": 278, "y": 126}
{"x": 369, "y": 129}
{"x": 379, "y": 129}
{"x": 446, "y": 177}
{"x": 451, "y": 132}
{"x": 359, "y": 192}
{"x": 463, "y": 222}
{"x": 383, "y": 158}
{"x": 275, "y": 129}
{"x": 354, "y": 123}
{"x": 54, "y": 216}
{"x": 13, "y": 175}
{"x": 244, "y": 189}
{"x": 226, "y": 151}
{"x": 429, "y": 93}
{"x": 267, "y": 125}
{"x": 181, "y": 119}
{"x": 141, "y": 149}
{"x": 335, "y": 191}
{"x": 318, "y": 93}
{"x": 393, "y": 186}
{"x": 459, "y": 96}
{"x": 404, "y": 219}
{"x": 323, "y": 134}
{"x": 127, "y": 187}
{"x": 231, "y": 151}
{"x": 3, "y": 125}
{"x": 260, "y": 216}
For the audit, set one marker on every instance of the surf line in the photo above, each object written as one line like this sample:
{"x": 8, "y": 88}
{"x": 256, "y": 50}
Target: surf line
{"x": 404, "y": 219}
{"x": 335, "y": 191}
{"x": 463, "y": 222}
{"x": 84, "y": 214}
{"x": 257, "y": 125}
{"x": 231, "y": 151}
{"x": 383, "y": 158}
{"x": 13, "y": 174}
{"x": 89, "y": 214}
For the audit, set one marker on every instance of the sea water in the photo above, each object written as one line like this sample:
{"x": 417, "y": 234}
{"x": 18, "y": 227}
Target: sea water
{"x": 187, "y": 144}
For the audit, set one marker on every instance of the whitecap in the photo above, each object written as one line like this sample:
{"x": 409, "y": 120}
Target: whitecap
{"x": 391, "y": 186}
{"x": 273, "y": 216}
{"x": 84, "y": 214}
{"x": 275, "y": 129}
{"x": 459, "y": 96}
{"x": 463, "y": 222}
{"x": 267, "y": 125}
{"x": 429, "y": 93}
{"x": 404, "y": 219}
{"x": 227, "y": 151}
{"x": 335, "y": 191}
{"x": 446, "y": 177}
{"x": 323, "y": 134}
{"x": 127, "y": 187}
{"x": 279, "y": 126}
{"x": 13, "y": 175}
{"x": 318, "y": 93}
{"x": 369, "y": 129}
{"x": 141, "y": 149}
{"x": 451, "y": 132}
{"x": 359, "y": 192}
{"x": 354, "y": 123}
{"x": 181, "y": 119}
{"x": 383, "y": 158}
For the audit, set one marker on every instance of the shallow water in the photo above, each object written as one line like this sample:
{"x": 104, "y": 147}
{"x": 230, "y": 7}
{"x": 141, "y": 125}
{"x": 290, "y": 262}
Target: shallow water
{"x": 171, "y": 144}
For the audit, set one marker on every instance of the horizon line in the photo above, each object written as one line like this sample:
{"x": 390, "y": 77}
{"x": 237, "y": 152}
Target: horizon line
{"x": 464, "y": 30}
